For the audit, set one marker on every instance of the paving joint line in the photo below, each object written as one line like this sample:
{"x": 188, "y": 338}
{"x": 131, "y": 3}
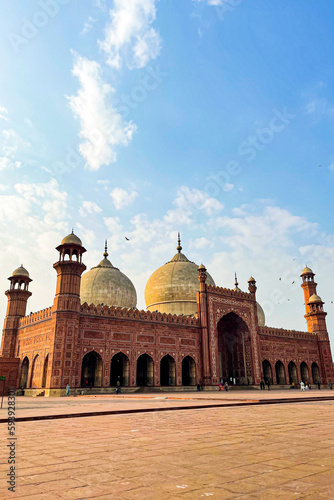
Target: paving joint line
{"x": 171, "y": 408}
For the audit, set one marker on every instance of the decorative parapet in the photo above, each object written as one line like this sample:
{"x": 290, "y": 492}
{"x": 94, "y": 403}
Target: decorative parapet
{"x": 280, "y": 332}
{"x": 137, "y": 315}
{"x": 35, "y": 317}
{"x": 229, "y": 291}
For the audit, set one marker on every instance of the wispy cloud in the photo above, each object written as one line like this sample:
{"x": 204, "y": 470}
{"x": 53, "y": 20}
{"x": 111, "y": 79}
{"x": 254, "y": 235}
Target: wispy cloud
{"x": 129, "y": 36}
{"x": 102, "y": 127}
{"x": 121, "y": 198}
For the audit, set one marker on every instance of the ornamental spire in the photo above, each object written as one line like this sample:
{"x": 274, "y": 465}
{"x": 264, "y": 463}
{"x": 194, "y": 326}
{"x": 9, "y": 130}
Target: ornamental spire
{"x": 178, "y": 248}
{"x": 105, "y": 255}
{"x": 236, "y": 280}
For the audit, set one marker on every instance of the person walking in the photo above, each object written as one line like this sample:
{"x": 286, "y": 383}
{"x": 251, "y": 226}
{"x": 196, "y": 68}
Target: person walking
{"x": 226, "y": 386}
{"x": 319, "y": 385}
{"x": 302, "y": 386}
{"x": 330, "y": 385}
{"x": 68, "y": 390}
{"x": 268, "y": 384}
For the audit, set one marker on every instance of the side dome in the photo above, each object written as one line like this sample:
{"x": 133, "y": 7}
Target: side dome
{"x": 261, "y": 319}
{"x": 315, "y": 298}
{"x": 21, "y": 271}
{"x": 307, "y": 270}
{"x": 71, "y": 239}
{"x": 173, "y": 287}
{"x": 107, "y": 285}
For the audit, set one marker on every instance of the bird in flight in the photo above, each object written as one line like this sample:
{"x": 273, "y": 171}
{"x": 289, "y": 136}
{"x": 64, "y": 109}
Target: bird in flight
{"x": 292, "y": 282}
{"x": 279, "y": 279}
{"x": 127, "y": 239}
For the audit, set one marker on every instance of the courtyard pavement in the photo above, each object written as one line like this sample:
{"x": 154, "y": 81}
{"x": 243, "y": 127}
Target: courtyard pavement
{"x": 257, "y": 452}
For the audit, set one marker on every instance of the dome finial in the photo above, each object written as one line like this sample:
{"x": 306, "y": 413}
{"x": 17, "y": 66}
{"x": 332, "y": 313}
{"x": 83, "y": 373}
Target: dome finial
{"x": 236, "y": 279}
{"x": 105, "y": 255}
{"x": 178, "y": 248}
{"x": 72, "y": 230}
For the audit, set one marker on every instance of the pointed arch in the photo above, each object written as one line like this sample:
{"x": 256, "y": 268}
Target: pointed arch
{"x": 234, "y": 349}
{"x": 167, "y": 370}
{"x": 145, "y": 370}
{"x": 292, "y": 368}
{"x": 45, "y": 371}
{"x": 315, "y": 373}
{"x": 267, "y": 371}
{"x": 24, "y": 373}
{"x": 91, "y": 370}
{"x": 188, "y": 371}
{"x": 280, "y": 373}
{"x": 304, "y": 372}
{"x": 35, "y": 377}
{"x": 119, "y": 370}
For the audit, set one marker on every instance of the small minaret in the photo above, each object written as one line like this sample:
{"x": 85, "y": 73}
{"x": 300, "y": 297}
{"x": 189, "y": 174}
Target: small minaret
{"x": 69, "y": 270}
{"x": 310, "y": 288}
{"x": 315, "y": 314}
{"x": 236, "y": 284}
{"x": 252, "y": 285}
{"x": 316, "y": 323}
{"x": 203, "y": 318}
{"x": 17, "y": 295}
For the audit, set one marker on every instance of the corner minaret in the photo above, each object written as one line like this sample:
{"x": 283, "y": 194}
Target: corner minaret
{"x": 17, "y": 295}
{"x": 315, "y": 314}
{"x": 310, "y": 288}
{"x": 69, "y": 269}
{"x": 316, "y": 323}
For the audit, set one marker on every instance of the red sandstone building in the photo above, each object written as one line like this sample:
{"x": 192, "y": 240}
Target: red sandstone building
{"x": 193, "y": 332}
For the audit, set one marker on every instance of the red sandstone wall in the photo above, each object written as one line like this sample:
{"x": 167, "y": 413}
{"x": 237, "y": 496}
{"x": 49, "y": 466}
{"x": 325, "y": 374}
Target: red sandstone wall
{"x": 285, "y": 346}
{"x": 35, "y": 341}
{"x": 108, "y": 336}
{"x": 9, "y": 368}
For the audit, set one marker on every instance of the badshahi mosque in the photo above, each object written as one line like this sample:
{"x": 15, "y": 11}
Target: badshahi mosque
{"x": 192, "y": 332}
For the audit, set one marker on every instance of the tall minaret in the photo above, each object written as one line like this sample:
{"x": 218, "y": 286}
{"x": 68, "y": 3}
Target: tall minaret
{"x": 69, "y": 269}
{"x": 18, "y": 295}
{"x": 316, "y": 323}
{"x": 310, "y": 288}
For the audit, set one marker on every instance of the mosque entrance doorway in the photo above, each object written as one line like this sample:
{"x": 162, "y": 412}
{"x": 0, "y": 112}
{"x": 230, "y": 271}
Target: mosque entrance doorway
{"x": 119, "y": 370}
{"x": 315, "y": 373}
{"x": 91, "y": 372}
{"x": 24, "y": 373}
{"x": 188, "y": 371}
{"x": 45, "y": 371}
{"x": 234, "y": 350}
{"x": 145, "y": 370}
{"x": 167, "y": 370}
{"x": 293, "y": 373}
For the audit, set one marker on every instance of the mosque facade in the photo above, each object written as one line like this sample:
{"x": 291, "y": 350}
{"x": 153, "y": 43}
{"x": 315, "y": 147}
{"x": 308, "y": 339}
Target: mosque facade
{"x": 193, "y": 332}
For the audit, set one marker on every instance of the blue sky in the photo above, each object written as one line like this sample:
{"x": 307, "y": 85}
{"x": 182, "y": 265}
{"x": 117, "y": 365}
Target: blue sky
{"x": 142, "y": 118}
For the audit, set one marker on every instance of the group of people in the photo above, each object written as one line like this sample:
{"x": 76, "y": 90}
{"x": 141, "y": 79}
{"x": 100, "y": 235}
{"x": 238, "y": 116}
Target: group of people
{"x": 221, "y": 385}
{"x": 263, "y": 385}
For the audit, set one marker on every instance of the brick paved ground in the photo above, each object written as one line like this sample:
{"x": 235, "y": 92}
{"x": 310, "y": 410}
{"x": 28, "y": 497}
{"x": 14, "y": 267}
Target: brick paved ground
{"x": 266, "y": 452}
{"x": 32, "y": 406}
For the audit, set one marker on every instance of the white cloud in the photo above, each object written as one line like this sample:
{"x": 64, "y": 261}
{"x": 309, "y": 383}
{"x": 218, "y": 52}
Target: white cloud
{"x": 11, "y": 145}
{"x": 3, "y": 113}
{"x": 203, "y": 243}
{"x": 228, "y": 187}
{"x": 102, "y": 127}
{"x": 89, "y": 207}
{"x": 129, "y": 35}
{"x": 194, "y": 199}
{"x": 88, "y": 25}
{"x": 122, "y": 198}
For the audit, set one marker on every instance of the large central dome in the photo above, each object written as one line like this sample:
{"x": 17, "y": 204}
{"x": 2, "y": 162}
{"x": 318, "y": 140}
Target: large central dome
{"x": 105, "y": 284}
{"x": 173, "y": 287}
